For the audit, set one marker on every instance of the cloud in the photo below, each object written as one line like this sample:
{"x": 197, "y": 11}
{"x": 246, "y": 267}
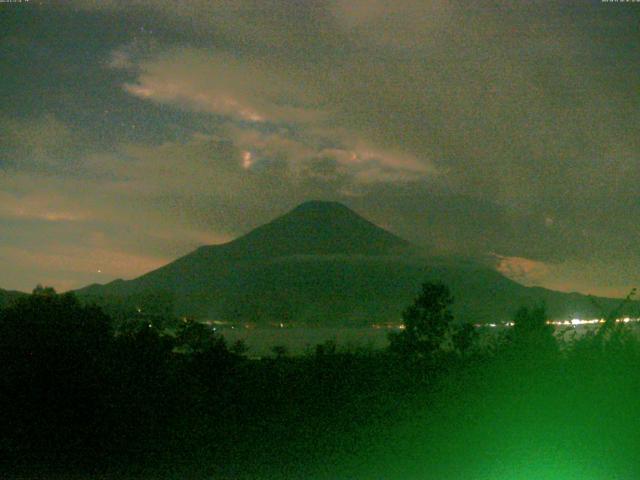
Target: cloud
{"x": 221, "y": 84}
{"x": 523, "y": 270}
{"x": 50, "y": 207}
{"x": 65, "y": 267}
{"x": 267, "y": 111}
{"x": 495, "y": 127}
{"x": 38, "y": 143}
{"x": 64, "y": 228}
{"x": 499, "y": 100}
{"x": 568, "y": 276}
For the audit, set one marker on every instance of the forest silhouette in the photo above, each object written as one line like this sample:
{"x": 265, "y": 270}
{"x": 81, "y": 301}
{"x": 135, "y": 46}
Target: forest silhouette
{"x": 83, "y": 392}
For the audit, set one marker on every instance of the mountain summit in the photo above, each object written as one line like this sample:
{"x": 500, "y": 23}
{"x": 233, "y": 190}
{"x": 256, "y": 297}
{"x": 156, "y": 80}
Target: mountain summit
{"x": 319, "y": 228}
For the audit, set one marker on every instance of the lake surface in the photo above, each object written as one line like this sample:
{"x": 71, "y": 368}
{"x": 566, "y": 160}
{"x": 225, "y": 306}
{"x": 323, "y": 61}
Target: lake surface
{"x": 300, "y": 340}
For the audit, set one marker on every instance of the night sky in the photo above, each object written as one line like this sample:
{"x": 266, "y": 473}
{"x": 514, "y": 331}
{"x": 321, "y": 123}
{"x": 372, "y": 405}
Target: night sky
{"x": 132, "y": 132}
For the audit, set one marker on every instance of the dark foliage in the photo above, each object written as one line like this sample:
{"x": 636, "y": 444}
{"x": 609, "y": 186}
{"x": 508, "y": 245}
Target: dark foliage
{"x": 52, "y": 356}
{"x": 531, "y": 332}
{"x": 426, "y": 323}
{"x": 85, "y": 394}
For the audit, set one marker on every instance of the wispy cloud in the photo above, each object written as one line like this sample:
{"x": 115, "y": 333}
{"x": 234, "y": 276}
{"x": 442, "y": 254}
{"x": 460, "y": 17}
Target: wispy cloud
{"x": 493, "y": 127}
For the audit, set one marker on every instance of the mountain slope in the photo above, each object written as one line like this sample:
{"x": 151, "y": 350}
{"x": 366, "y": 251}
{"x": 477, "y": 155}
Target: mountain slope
{"x": 323, "y": 263}
{"x": 312, "y": 228}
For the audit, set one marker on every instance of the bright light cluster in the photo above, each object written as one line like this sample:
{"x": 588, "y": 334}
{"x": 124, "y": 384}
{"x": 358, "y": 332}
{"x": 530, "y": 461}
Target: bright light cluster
{"x": 578, "y": 321}
{"x": 574, "y": 322}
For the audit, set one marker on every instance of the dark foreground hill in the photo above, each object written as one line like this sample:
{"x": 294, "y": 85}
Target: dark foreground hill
{"x": 323, "y": 263}
{"x": 7, "y": 296}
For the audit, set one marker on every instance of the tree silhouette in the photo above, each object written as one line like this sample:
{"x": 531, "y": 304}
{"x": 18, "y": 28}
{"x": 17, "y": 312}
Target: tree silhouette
{"x": 52, "y": 367}
{"x": 464, "y": 338}
{"x": 426, "y": 323}
{"x": 195, "y": 337}
{"x": 531, "y": 333}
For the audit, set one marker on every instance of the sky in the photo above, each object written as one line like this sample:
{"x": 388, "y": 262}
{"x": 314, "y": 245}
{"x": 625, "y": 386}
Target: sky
{"x": 133, "y": 132}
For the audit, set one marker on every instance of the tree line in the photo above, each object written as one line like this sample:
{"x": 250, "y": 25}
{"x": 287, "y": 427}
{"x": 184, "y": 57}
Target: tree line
{"x": 89, "y": 391}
